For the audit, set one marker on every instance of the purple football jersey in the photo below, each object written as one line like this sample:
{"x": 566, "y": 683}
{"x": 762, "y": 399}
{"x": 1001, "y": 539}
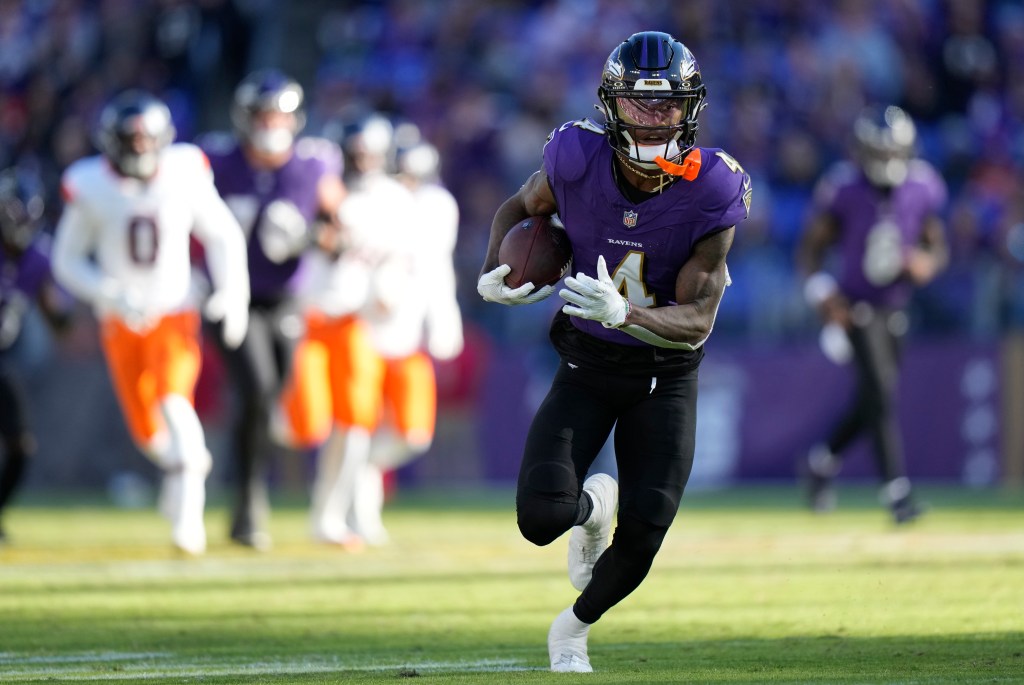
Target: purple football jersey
{"x": 249, "y": 191}
{"x": 26, "y": 274}
{"x": 877, "y": 228}
{"x": 644, "y": 245}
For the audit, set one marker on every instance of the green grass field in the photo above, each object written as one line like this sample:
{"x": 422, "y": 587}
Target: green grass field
{"x": 748, "y": 589}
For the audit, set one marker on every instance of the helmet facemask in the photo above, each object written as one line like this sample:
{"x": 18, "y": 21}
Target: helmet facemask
{"x": 645, "y": 128}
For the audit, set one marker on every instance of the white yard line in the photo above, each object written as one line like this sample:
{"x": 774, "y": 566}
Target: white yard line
{"x": 169, "y": 669}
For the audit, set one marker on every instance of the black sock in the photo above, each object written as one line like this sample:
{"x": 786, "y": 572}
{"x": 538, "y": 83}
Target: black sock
{"x": 583, "y": 508}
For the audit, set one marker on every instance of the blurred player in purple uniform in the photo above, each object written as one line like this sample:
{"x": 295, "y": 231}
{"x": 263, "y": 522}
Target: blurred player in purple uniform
{"x": 651, "y": 218}
{"x": 24, "y": 279}
{"x": 881, "y": 212}
{"x": 285, "y": 192}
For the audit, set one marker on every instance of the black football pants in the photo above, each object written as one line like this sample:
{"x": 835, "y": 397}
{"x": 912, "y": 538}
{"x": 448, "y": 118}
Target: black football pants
{"x": 258, "y": 369}
{"x": 16, "y": 443}
{"x": 654, "y": 444}
{"x": 876, "y": 342}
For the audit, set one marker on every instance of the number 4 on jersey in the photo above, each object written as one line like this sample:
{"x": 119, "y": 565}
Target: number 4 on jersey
{"x": 628, "y": 278}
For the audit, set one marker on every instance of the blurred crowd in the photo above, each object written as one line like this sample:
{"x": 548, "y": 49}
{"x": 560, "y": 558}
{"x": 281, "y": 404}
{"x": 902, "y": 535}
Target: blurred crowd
{"x": 486, "y": 82}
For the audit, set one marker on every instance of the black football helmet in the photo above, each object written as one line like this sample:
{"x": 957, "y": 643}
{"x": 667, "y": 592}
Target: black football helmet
{"x": 262, "y": 92}
{"x": 884, "y": 140}
{"x": 134, "y": 127}
{"x": 21, "y": 208}
{"x": 651, "y": 93}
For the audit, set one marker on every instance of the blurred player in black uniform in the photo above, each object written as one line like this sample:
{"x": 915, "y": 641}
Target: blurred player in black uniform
{"x": 651, "y": 218}
{"x": 24, "y": 279}
{"x": 881, "y": 212}
{"x": 285, "y": 191}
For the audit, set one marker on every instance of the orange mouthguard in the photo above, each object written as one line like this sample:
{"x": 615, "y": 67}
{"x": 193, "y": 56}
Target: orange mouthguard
{"x": 688, "y": 169}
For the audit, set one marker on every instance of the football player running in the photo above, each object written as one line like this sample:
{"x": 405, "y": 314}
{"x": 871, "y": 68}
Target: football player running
{"x": 284, "y": 190}
{"x": 424, "y": 323}
{"x": 882, "y": 213}
{"x": 379, "y": 313}
{"x": 122, "y": 245}
{"x": 651, "y": 219}
{"x": 24, "y": 280}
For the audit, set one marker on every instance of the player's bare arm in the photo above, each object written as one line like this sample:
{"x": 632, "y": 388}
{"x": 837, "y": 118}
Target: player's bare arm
{"x": 930, "y": 256}
{"x": 534, "y": 198}
{"x": 699, "y": 289}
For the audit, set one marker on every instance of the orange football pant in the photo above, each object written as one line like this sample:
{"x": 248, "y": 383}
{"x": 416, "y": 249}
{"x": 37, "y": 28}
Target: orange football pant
{"x": 147, "y": 366}
{"x": 338, "y": 377}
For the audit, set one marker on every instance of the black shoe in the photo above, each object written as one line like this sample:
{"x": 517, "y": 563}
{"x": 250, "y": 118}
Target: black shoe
{"x": 245, "y": 534}
{"x": 906, "y": 510}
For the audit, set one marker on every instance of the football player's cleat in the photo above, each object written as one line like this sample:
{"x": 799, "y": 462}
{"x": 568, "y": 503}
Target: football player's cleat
{"x": 821, "y": 470}
{"x": 256, "y": 539}
{"x": 651, "y": 93}
{"x": 567, "y": 644}
{"x": 896, "y": 494}
{"x": 589, "y": 540}
{"x": 906, "y": 510}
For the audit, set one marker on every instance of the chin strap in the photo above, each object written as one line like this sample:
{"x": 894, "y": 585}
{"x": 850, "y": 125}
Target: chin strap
{"x": 687, "y": 170}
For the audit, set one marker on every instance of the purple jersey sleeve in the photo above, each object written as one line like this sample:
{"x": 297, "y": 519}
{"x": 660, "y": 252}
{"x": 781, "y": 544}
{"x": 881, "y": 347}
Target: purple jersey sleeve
{"x": 728, "y": 189}
{"x": 33, "y": 269}
{"x": 933, "y": 187}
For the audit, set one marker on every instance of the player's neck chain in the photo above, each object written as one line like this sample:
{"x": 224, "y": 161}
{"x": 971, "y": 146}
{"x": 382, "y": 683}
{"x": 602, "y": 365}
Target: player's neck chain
{"x": 663, "y": 179}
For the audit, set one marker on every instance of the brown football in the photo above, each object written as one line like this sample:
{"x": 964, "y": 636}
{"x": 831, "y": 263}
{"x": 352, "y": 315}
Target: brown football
{"x": 538, "y": 252}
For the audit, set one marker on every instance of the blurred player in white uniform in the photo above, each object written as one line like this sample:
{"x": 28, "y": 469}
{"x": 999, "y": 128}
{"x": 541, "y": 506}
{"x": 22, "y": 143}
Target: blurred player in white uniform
{"x": 123, "y": 246}
{"x": 392, "y": 290}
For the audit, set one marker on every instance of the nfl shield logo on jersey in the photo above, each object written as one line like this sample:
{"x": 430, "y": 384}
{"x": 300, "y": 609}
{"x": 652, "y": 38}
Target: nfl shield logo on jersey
{"x": 629, "y": 218}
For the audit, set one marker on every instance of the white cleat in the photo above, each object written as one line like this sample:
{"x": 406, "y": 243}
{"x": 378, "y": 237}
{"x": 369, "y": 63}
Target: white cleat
{"x": 567, "y": 644}
{"x": 588, "y": 541}
{"x": 190, "y": 537}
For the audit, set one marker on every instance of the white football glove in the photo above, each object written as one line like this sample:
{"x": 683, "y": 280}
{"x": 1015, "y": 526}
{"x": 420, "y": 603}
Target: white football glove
{"x": 596, "y": 299}
{"x": 233, "y": 314}
{"x": 492, "y": 288}
{"x": 444, "y": 335}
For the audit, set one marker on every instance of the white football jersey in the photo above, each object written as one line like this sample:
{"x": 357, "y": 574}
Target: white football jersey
{"x": 375, "y": 216}
{"x": 397, "y": 267}
{"x": 120, "y": 234}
